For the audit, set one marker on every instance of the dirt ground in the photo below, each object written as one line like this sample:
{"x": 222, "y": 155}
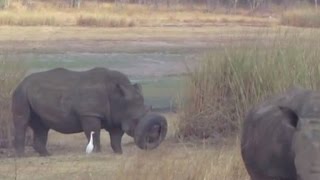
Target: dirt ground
{"x": 168, "y": 161}
{"x": 63, "y": 144}
{"x": 107, "y": 40}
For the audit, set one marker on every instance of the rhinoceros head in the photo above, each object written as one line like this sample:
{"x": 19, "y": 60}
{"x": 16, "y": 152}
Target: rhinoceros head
{"x": 128, "y": 109}
{"x": 127, "y": 105}
{"x": 305, "y": 145}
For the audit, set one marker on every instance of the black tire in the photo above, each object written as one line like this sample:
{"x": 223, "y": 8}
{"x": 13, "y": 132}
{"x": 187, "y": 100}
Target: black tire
{"x": 144, "y": 128}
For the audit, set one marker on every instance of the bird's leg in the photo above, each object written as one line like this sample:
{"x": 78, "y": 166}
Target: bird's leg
{"x": 92, "y": 124}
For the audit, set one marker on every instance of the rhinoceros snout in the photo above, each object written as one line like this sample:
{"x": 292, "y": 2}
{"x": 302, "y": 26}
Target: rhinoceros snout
{"x": 151, "y": 131}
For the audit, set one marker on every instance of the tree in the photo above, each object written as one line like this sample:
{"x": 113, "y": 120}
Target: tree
{"x": 235, "y": 4}
{"x": 255, "y": 3}
{"x": 4, "y": 4}
{"x": 75, "y": 3}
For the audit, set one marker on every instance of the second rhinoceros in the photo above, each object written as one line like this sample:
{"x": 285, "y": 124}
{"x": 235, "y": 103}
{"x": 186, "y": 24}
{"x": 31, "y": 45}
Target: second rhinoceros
{"x": 281, "y": 137}
{"x": 72, "y": 102}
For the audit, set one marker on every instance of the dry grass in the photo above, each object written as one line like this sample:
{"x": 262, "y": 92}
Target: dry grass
{"x": 105, "y": 21}
{"x": 185, "y": 164}
{"x": 28, "y": 19}
{"x": 111, "y": 15}
{"x": 11, "y": 73}
{"x": 228, "y": 83}
{"x": 170, "y": 161}
{"x": 306, "y": 17}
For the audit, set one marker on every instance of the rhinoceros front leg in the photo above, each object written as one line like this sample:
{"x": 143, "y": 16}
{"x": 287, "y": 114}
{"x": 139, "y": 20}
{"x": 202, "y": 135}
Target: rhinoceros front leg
{"x": 21, "y": 119}
{"x": 40, "y": 141}
{"x": 40, "y": 136}
{"x": 92, "y": 124}
{"x": 115, "y": 138}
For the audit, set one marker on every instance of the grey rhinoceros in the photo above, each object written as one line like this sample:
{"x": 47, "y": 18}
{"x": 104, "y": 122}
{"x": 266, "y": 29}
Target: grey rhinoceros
{"x": 73, "y": 101}
{"x": 281, "y": 137}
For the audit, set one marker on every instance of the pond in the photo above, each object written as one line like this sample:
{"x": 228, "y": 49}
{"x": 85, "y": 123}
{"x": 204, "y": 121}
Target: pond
{"x": 160, "y": 72}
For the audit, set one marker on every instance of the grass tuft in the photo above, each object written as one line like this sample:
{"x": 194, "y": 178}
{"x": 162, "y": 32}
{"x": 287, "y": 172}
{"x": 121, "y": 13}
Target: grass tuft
{"x": 227, "y": 83}
{"x": 104, "y": 21}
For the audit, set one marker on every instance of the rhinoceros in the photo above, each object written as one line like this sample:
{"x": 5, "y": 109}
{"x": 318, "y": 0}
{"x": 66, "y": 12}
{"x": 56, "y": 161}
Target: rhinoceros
{"x": 83, "y": 101}
{"x": 281, "y": 137}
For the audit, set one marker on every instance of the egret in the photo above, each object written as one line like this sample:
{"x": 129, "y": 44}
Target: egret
{"x": 89, "y": 148}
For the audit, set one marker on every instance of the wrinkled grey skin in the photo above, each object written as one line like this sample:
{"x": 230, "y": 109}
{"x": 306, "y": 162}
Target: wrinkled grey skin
{"x": 72, "y": 102}
{"x": 281, "y": 137}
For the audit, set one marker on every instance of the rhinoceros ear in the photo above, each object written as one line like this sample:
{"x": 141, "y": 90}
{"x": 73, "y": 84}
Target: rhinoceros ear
{"x": 138, "y": 86}
{"x": 292, "y": 117}
{"x": 124, "y": 91}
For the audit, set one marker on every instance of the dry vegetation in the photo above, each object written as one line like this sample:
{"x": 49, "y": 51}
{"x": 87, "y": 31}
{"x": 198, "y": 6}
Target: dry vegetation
{"x": 190, "y": 163}
{"x": 129, "y": 15}
{"x": 170, "y": 164}
{"x": 111, "y": 15}
{"x": 306, "y": 17}
{"x": 221, "y": 91}
{"x": 11, "y": 73}
{"x": 171, "y": 161}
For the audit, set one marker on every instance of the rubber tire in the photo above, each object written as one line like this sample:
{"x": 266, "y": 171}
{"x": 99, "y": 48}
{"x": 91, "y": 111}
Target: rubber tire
{"x": 146, "y": 123}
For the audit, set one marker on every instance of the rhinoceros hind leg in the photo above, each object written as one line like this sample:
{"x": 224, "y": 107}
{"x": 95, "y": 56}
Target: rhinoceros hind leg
{"x": 21, "y": 118}
{"x": 19, "y": 139}
{"x": 20, "y": 124}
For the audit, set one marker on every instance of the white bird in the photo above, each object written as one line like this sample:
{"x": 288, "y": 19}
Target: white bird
{"x": 89, "y": 148}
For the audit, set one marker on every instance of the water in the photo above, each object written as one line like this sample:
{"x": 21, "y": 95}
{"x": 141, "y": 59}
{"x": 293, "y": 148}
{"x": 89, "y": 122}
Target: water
{"x": 160, "y": 73}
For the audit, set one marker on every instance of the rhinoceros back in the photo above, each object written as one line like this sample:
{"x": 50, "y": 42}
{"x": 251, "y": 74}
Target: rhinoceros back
{"x": 56, "y": 94}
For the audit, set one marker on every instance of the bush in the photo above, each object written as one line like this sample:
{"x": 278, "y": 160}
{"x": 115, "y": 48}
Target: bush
{"x": 301, "y": 18}
{"x": 27, "y": 19}
{"x": 104, "y": 21}
{"x": 227, "y": 84}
